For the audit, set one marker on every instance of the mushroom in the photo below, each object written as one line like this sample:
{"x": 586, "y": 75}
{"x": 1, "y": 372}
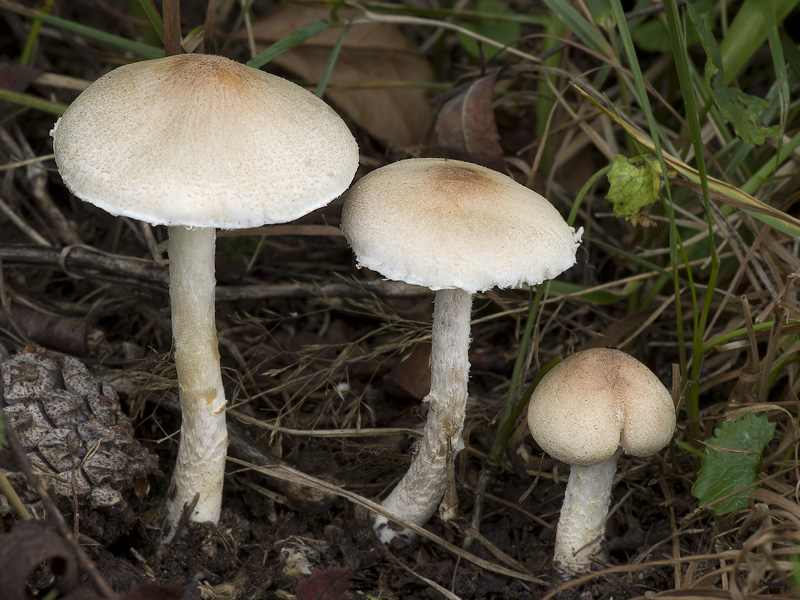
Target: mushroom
{"x": 198, "y": 142}
{"x": 456, "y": 228}
{"x": 585, "y": 412}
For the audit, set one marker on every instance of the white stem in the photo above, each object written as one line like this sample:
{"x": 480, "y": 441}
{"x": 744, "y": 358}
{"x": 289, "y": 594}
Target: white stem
{"x": 581, "y": 525}
{"x": 419, "y": 492}
{"x": 200, "y": 466}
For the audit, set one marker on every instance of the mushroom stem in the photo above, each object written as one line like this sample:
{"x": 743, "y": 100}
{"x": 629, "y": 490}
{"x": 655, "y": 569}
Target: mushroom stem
{"x": 581, "y": 525}
{"x": 200, "y": 465}
{"x": 419, "y": 492}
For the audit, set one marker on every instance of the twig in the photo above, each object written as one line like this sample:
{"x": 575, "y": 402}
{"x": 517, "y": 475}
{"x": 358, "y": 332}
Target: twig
{"x": 13, "y": 499}
{"x": 21, "y": 224}
{"x": 91, "y": 263}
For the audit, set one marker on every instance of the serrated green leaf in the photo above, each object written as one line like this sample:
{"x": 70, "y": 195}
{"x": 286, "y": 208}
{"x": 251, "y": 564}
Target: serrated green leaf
{"x": 741, "y": 109}
{"x": 504, "y": 32}
{"x": 634, "y": 186}
{"x": 731, "y": 461}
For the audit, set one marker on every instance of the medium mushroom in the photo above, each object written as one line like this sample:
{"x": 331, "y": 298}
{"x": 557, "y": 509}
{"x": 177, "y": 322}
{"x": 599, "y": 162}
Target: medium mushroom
{"x": 198, "y": 142}
{"x": 585, "y": 412}
{"x": 456, "y": 228}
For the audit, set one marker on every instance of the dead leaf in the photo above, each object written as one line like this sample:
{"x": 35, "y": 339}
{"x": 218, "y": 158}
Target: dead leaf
{"x": 413, "y": 372}
{"x": 373, "y": 58}
{"x": 24, "y": 549}
{"x": 465, "y": 126}
{"x": 15, "y": 78}
{"x": 327, "y": 584}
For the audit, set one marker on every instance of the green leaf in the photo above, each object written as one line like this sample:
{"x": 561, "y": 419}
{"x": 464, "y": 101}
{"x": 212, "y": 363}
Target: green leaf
{"x": 741, "y": 109}
{"x": 731, "y": 462}
{"x": 504, "y": 32}
{"x": 634, "y": 186}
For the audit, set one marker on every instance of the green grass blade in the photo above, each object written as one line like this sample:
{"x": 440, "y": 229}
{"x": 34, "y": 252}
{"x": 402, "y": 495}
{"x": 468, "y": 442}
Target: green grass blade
{"x": 748, "y": 32}
{"x": 294, "y": 39}
{"x": 791, "y": 53}
{"x": 644, "y": 101}
{"x": 700, "y": 320}
{"x": 152, "y": 15}
{"x": 585, "y": 31}
{"x": 143, "y": 50}
{"x": 724, "y": 192}
{"x": 778, "y": 61}
{"x": 27, "y": 58}
{"x": 330, "y": 64}
{"x": 769, "y": 168}
{"x": 32, "y": 102}
{"x": 510, "y": 415}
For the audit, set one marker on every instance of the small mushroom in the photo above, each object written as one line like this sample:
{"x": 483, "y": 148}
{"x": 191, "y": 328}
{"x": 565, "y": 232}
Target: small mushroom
{"x": 198, "y": 142}
{"x": 456, "y": 228}
{"x": 585, "y": 412}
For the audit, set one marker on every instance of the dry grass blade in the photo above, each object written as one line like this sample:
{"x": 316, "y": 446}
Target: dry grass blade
{"x": 289, "y": 474}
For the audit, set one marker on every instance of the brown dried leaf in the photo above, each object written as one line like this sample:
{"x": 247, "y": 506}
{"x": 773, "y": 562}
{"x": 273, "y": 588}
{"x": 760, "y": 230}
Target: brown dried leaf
{"x": 15, "y": 78}
{"x": 372, "y": 57}
{"x": 465, "y": 126}
{"x": 327, "y": 584}
{"x": 24, "y": 549}
{"x": 413, "y": 372}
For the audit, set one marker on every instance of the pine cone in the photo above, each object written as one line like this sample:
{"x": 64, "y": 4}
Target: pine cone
{"x": 77, "y": 437}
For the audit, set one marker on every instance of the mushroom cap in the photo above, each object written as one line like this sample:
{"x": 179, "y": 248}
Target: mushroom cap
{"x": 451, "y": 224}
{"x": 597, "y": 401}
{"x": 202, "y": 141}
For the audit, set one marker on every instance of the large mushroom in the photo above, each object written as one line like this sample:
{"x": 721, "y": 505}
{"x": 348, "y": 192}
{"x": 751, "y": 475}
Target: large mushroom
{"x": 198, "y": 142}
{"x": 585, "y": 412}
{"x": 457, "y": 228}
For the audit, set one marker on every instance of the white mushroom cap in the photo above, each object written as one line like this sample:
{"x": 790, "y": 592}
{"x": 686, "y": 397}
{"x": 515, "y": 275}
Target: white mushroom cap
{"x": 450, "y": 224}
{"x": 203, "y": 141}
{"x": 597, "y": 401}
